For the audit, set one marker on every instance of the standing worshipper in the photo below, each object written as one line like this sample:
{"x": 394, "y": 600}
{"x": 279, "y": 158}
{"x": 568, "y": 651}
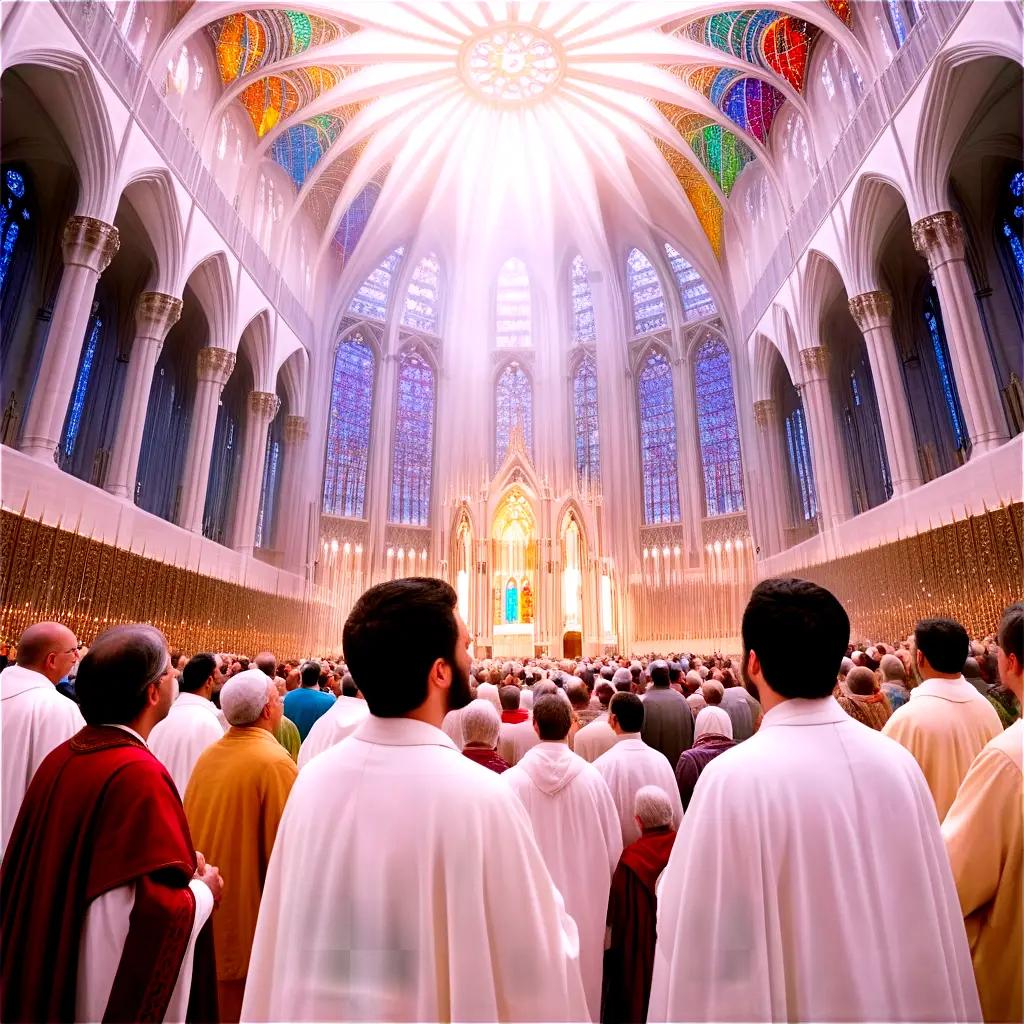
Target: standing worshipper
{"x": 712, "y": 736}
{"x": 516, "y": 734}
{"x": 946, "y": 722}
{"x": 858, "y": 696}
{"x": 347, "y": 713}
{"x": 984, "y": 836}
{"x": 668, "y": 721}
{"x": 894, "y": 681}
{"x": 735, "y": 703}
{"x": 788, "y": 930}
{"x": 480, "y": 725}
{"x": 286, "y": 732}
{"x": 308, "y": 703}
{"x": 103, "y": 898}
{"x": 597, "y": 737}
{"x": 193, "y": 722}
{"x": 577, "y": 830}
{"x": 34, "y": 717}
{"x": 632, "y": 910}
{"x": 631, "y": 764}
{"x": 426, "y": 866}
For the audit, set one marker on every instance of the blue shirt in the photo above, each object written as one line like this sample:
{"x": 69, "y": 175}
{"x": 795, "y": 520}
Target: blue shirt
{"x": 304, "y": 707}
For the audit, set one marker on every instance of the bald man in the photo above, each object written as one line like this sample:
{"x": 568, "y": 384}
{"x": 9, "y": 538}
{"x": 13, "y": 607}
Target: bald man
{"x": 34, "y": 717}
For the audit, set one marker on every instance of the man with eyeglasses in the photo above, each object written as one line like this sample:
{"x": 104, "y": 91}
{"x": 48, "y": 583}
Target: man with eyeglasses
{"x": 35, "y": 717}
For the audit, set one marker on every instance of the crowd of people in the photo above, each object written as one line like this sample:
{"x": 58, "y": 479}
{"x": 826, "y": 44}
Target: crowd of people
{"x": 808, "y": 830}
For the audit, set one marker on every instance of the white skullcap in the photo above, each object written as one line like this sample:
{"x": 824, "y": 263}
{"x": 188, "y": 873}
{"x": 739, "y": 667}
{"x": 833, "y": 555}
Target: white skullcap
{"x": 506, "y": 669}
{"x": 713, "y": 722}
{"x": 635, "y": 666}
{"x": 622, "y": 675}
{"x": 489, "y": 692}
{"x": 480, "y": 723}
{"x": 526, "y": 699}
{"x": 659, "y": 664}
{"x": 244, "y": 696}
{"x": 846, "y": 666}
{"x": 652, "y": 807}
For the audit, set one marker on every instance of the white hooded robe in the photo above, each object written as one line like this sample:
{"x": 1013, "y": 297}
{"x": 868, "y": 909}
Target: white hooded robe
{"x": 344, "y": 717}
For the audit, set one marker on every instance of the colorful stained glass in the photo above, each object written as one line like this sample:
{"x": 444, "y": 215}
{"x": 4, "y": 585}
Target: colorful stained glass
{"x": 353, "y": 222}
{"x": 694, "y": 296}
{"x": 903, "y": 16}
{"x": 799, "y": 451}
{"x": 843, "y": 10}
{"x": 718, "y": 149}
{"x": 299, "y": 148}
{"x": 268, "y": 493}
{"x": 14, "y": 215}
{"x": 645, "y": 294}
{"x": 702, "y": 198}
{"x": 583, "y": 329}
{"x": 372, "y": 297}
{"x": 937, "y": 334}
{"x": 718, "y": 428}
{"x": 786, "y": 45}
{"x": 584, "y": 404}
{"x": 423, "y": 299}
{"x": 657, "y": 414}
{"x": 413, "y": 458}
{"x": 275, "y": 98}
{"x": 513, "y": 407}
{"x": 512, "y": 306}
{"x": 752, "y": 104}
{"x": 511, "y": 602}
{"x": 348, "y": 429}
{"x": 81, "y": 387}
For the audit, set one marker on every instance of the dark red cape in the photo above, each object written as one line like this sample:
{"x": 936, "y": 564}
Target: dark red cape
{"x": 101, "y": 812}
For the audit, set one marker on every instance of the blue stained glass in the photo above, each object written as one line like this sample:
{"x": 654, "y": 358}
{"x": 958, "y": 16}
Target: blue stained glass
{"x": 268, "y": 494}
{"x": 511, "y": 602}
{"x": 584, "y": 402}
{"x": 583, "y": 328}
{"x": 15, "y": 183}
{"x": 422, "y": 298}
{"x": 800, "y": 462}
{"x": 645, "y": 293}
{"x": 81, "y": 387}
{"x": 932, "y": 318}
{"x": 656, "y": 401}
{"x": 413, "y": 458}
{"x": 512, "y": 306}
{"x": 897, "y": 21}
{"x": 348, "y": 430}
{"x": 855, "y": 388}
{"x": 718, "y": 429}
{"x": 13, "y": 211}
{"x": 513, "y": 406}
{"x": 353, "y": 223}
{"x": 7, "y": 255}
{"x": 372, "y": 298}
{"x": 694, "y": 296}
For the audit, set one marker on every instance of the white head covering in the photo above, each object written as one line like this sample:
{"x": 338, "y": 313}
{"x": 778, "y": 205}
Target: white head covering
{"x": 622, "y": 675}
{"x": 525, "y": 699}
{"x": 488, "y": 691}
{"x": 713, "y": 721}
{"x": 480, "y": 723}
{"x": 244, "y": 696}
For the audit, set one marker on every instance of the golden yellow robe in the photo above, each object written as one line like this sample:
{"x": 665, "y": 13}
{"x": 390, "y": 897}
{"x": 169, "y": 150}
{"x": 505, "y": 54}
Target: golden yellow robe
{"x": 234, "y": 802}
{"x": 984, "y": 833}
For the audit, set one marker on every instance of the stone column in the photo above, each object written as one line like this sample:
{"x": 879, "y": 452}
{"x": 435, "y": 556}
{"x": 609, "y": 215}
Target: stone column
{"x": 155, "y": 315}
{"x": 830, "y": 477}
{"x": 773, "y": 476}
{"x": 213, "y": 367}
{"x": 88, "y": 247}
{"x": 263, "y": 406}
{"x": 291, "y": 519}
{"x": 873, "y": 313}
{"x": 939, "y": 237}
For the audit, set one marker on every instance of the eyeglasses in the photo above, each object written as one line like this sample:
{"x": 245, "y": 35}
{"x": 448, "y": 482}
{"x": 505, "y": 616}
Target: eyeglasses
{"x": 74, "y": 650}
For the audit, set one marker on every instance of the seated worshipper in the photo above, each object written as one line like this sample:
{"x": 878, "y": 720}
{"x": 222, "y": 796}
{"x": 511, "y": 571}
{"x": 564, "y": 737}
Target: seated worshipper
{"x": 631, "y": 765}
{"x": 594, "y": 739}
{"x": 788, "y": 931}
{"x": 234, "y": 803}
{"x": 857, "y": 696}
{"x": 34, "y": 717}
{"x": 577, "y": 830}
{"x": 193, "y": 722}
{"x": 404, "y": 829}
{"x": 286, "y": 733}
{"x": 347, "y": 713}
{"x": 306, "y": 704}
{"x": 668, "y": 722}
{"x": 984, "y": 834}
{"x": 512, "y": 711}
{"x": 633, "y": 910}
{"x": 480, "y": 725}
{"x": 104, "y": 902}
{"x": 712, "y": 736}
{"x": 894, "y": 681}
{"x": 946, "y": 722}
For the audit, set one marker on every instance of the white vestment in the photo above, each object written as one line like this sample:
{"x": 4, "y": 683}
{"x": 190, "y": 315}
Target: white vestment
{"x": 427, "y": 903}
{"x": 594, "y": 739}
{"x": 346, "y": 714}
{"x": 34, "y": 719}
{"x": 452, "y": 726}
{"x": 191, "y": 726}
{"x": 515, "y": 739}
{"x": 628, "y": 766}
{"x": 809, "y": 862}
{"x": 578, "y": 833}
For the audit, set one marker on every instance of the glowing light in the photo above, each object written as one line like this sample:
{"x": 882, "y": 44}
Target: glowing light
{"x": 512, "y": 63}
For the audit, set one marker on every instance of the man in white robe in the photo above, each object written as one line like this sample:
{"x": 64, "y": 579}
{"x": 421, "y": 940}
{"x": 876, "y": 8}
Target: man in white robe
{"x": 34, "y": 717}
{"x": 577, "y": 830}
{"x": 427, "y": 903}
{"x": 348, "y": 712}
{"x": 809, "y": 863}
{"x": 630, "y": 765}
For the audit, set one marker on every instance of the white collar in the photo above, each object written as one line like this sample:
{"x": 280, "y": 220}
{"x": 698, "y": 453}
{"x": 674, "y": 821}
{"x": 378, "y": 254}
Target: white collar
{"x": 15, "y": 680}
{"x": 959, "y": 691}
{"x": 402, "y": 732}
{"x": 193, "y": 700}
{"x": 802, "y": 711}
{"x": 626, "y": 737}
{"x": 125, "y": 728}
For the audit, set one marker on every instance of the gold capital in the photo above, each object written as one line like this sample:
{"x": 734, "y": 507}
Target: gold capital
{"x": 156, "y": 313}
{"x": 871, "y": 309}
{"x": 939, "y": 237}
{"x": 215, "y": 364}
{"x": 90, "y": 242}
{"x": 814, "y": 361}
{"x": 264, "y": 404}
{"x": 764, "y": 413}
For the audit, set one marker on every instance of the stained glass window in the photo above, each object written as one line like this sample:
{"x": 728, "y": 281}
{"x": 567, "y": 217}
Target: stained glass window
{"x": 14, "y": 218}
{"x": 422, "y": 300}
{"x": 937, "y": 334}
{"x": 513, "y": 403}
{"x": 1010, "y": 239}
{"x": 694, "y": 296}
{"x": 81, "y": 388}
{"x": 718, "y": 429}
{"x": 512, "y": 306}
{"x": 799, "y": 451}
{"x": 269, "y": 492}
{"x": 353, "y": 222}
{"x": 413, "y": 458}
{"x": 645, "y": 294}
{"x": 583, "y": 329}
{"x": 299, "y": 148}
{"x": 511, "y": 602}
{"x": 348, "y": 430}
{"x": 584, "y": 403}
{"x": 372, "y": 298}
{"x": 656, "y": 402}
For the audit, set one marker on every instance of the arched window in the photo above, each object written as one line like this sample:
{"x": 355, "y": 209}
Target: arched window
{"x": 512, "y": 306}
{"x": 17, "y": 233}
{"x": 656, "y": 402}
{"x": 583, "y": 329}
{"x": 1009, "y": 228}
{"x": 348, "y": 430}
{"x": 422, "y": 300}
{"x": 799, "y": 452}
{"x": 903, "y": 16}
{"x": 372, "y": 298}
{"x": 645, "y": 293}
{"x": 584, "y": 404}
{"x": 353, "y": 222}
{"x": 511, "y": 601}
{"x": 513, "y": 402}
{"x": 719, "y": 432}
{"x": 694, "y": 296}
{"x": 270, "y": 490}
{"x": 226, "y": 460}
{"x": 937, "y": 335}
{"x": 73, "y": 423}
{"x": 413, "y": 459}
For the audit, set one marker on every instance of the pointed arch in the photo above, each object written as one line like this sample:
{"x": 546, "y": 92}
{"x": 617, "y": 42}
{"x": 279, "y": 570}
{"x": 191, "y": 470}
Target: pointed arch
{"x": 373, "y": 296}
{"x": 513, "y": 315}
{"x": 513, "y": 408}
{"x": 151, "y": 195}
{"x": 412, "y": 460}
{"x": 586, "y": 437}
{"x": 656, "y": 415}
{"x": 646, "y": 297}
{"x": 584, "y": 330}
{"x": 694, "y": 295}
{"x": 422, "y": 307}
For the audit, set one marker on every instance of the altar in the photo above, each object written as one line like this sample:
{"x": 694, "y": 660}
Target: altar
{"x": 513, "y": 640}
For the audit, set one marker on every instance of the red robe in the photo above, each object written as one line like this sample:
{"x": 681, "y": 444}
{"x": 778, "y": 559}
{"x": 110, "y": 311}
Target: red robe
{"x": 101, "y": 812}
{"x": 632, "y": 918}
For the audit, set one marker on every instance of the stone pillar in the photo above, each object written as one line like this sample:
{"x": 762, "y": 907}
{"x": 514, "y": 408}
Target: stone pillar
{"x": 939, "y": 237}
{"x": 773, "y": 476}
{"x": 830, "y": 476}
{"x": 292, "y": 525}
{"x": 155, "y": 315}
{"x": 263, "y": 406}
{"x": 873, "y": 313}
{"x": 88, "y": 247}
{"x": 213, "y": 367}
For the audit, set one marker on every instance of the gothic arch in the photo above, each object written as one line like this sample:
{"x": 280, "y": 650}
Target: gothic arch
{"x": 875, "y": 205}
{"x": 151, "y": 195}
{"x": 292, "y": 377}
{"x": 210, "y": 281}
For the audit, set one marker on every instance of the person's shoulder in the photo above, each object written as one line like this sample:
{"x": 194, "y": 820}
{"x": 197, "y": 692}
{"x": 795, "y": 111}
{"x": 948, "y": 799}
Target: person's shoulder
{"x": 1007, "y": 746}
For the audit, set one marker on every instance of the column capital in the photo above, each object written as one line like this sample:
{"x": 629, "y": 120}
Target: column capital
{"x": 814, "y": 362}
{"x": 939, "y": 237}
{"x": 156, "y": 313}
{"x": 90, "y": 243}
{"x": 764, "y": 413}
{"x": 264, "y": 404}
{"x": 296, "y": 429}
{"x": 214, "y": 365}
{"x": 871, "y": 309}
